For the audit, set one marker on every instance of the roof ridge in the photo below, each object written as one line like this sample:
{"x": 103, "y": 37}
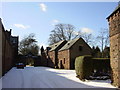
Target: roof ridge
{"x": 70, "y": 43}
{"x": 57, "y": 42}
{"x": 56, "y": 45}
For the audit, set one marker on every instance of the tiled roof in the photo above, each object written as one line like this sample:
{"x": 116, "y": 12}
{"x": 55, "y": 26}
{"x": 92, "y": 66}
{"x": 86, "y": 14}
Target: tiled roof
{"x": 56, "y": 45}
{"x": 69, "y": 44}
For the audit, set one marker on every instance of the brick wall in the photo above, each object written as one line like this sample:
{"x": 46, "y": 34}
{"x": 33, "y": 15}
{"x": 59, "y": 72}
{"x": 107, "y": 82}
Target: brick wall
{"x": 75, "y": 52}
{"x": 3, "y": 52}
{"x": 7, "y": 51}
{"x": 67, "y": 57}
{"x": 0, "y": 50}
{"x": 7, "y": 54}
{"x": 51, "y": 59}
{"x": 114, "y": 27}
{"x": 64, "y": 59}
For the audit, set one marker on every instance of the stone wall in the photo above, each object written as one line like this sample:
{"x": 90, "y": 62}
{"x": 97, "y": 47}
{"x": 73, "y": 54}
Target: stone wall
{"x": 114, "y": 27}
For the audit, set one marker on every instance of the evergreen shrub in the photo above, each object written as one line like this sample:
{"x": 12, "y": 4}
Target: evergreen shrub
{"x": 86, "y": 65}
{"x": 83, "y": 66}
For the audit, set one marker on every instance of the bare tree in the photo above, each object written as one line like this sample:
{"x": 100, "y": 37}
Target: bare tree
{"x": 53, "y": 38}
{"x": 62, "y": 32}
{"x": 88, "y": 37}
{"x": 67, "y": 32}
{"x": 103, "y": 38}
{"x": 70, "y": 31}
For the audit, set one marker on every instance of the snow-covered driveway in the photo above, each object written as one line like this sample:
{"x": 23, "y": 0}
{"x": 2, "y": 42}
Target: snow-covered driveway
{"x": 44, "y": 77}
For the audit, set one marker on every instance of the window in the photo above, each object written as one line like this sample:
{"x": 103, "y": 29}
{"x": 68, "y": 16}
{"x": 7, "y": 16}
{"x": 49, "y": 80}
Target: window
{"x": 64, "y": 60}
{"x": 80, "y": 48}
{"x": 14, "y": 41}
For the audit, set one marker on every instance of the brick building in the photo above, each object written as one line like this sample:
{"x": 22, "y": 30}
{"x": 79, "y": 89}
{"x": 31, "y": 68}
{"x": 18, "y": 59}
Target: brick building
{"x": 9, "y": 49}
{"x": 0, "y": 49}
{"x": 114, "y": 27}
{"x": 63, "y": 54}
{"x": 71, "y": 50}
{"x": 52, "y": 53}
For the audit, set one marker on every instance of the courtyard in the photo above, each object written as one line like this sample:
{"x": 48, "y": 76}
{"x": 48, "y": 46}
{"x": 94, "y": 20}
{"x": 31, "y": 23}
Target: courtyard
{"x": 44, "y": 77}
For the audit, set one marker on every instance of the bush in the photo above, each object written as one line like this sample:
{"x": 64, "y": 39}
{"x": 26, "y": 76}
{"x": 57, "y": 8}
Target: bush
{"x": 83, "y": 66}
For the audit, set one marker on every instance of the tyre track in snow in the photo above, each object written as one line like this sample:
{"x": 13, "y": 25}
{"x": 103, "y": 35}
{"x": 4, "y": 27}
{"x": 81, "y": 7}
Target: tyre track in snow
{"x": 22, "y": 78}
{"x": 44, "y": 77}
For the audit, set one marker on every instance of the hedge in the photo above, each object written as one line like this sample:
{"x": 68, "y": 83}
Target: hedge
{"x": 83, "y": 66}
{"x": 101, "y": 64}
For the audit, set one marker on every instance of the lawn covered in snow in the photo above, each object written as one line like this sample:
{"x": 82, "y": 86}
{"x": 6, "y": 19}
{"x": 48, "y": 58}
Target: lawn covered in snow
{"x": 44, "y": 77}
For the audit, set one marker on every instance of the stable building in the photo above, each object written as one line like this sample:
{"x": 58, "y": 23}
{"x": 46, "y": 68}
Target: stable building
{"x": 52, "y": 53}
{"x": 71, "y": 50}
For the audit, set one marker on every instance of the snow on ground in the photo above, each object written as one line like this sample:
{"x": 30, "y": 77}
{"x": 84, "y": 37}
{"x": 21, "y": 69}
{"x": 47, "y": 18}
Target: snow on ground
{"x": 44, "y": 77}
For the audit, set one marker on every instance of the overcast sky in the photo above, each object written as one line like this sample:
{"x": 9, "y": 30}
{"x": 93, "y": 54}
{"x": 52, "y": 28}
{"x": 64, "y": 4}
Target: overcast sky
{"x": 39, "y": 18}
